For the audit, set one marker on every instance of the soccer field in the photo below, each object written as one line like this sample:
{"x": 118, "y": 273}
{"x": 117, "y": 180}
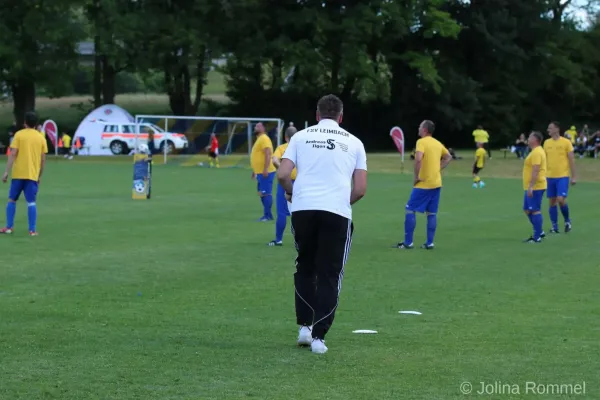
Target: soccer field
{"x": 179, "y": 297}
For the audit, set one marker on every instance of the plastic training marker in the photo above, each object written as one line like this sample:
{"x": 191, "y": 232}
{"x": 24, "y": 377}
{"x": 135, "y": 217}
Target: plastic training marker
{"x": 364, "y": 331}
{"x": 409, "y": 312}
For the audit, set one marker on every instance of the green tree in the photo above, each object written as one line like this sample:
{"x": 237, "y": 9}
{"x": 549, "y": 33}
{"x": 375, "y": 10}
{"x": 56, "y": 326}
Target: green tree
{"x": 38, "y": 45}
{"x": 344, "y": 47}
{"x": 180, "y": 39}
{"x": 118, "y": 29}
{"x": 528, "y": 62}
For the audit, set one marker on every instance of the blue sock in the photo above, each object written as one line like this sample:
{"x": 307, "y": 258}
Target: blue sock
{"x": 32, "y": 216}
{"x": 537, "y": 221}
{"x": 529, "y": 217}
{"x": 262, "y": 200}
{"x": 268, "y": 204}
{"x": 280, "y": 226}
{"x": 565, "y": 212}
{"x": 431, "y": 227}
{"x": 554, "y": 216}
{"x": 11, "y": 209}
{"x": 410, "y": 222}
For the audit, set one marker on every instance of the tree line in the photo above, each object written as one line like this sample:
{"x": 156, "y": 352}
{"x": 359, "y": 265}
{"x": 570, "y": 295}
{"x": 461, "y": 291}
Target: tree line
{"x": 509, "y": 65}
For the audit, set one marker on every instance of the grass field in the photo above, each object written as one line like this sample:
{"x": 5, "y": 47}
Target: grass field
{"x": 179, "y": 298}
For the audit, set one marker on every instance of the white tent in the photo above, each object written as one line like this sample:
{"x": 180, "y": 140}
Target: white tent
{"x": 92, "y": 127}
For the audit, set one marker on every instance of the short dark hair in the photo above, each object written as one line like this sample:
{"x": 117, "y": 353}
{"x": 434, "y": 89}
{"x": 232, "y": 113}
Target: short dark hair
{"x": 538, "y": 136}
{"x": 31, "y": 119}
{"x": 429, "y": 126}
{"x": 330, "y": 106}
{"x": 556, "y": 124}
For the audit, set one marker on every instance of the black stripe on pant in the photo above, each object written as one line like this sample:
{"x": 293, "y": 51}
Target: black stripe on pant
{"x": 323, "y": 242}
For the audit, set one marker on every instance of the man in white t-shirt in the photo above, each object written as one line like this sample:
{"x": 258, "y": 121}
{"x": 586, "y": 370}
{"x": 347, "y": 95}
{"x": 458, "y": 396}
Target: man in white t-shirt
{"x": 331, "y": 169}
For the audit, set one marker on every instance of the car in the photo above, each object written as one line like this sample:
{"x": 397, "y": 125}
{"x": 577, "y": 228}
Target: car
{"x": 121, "y": 138}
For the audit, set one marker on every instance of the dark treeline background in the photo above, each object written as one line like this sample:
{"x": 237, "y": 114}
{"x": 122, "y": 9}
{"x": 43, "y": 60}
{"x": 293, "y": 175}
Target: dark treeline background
{"x": 510, "y": 65}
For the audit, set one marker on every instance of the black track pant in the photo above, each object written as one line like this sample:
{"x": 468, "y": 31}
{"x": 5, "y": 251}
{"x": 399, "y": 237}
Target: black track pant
{"x": 323, "y": 241}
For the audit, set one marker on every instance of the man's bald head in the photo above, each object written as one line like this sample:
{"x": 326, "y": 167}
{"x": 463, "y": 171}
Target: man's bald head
{"x": 289, "y": 132}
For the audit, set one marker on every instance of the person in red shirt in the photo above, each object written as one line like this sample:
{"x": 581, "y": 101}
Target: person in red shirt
{"x": 213, "y": 150}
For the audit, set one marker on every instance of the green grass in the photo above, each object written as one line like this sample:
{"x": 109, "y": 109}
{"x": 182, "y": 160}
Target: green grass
{"x": 179, "y": 298}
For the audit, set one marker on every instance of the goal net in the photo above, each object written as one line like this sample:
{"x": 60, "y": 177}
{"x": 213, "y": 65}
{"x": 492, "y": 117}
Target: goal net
{"x": 188, "y": 139}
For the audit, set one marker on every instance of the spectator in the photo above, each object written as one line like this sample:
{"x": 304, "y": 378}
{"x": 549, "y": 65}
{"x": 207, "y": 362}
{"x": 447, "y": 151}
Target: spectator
{"x": 594, "y": 143}
{"x": 521, "y": 146}
{"x": 64, "y": 145}
{"x": 585, "y": 131}
{"x": 581, "y": 144}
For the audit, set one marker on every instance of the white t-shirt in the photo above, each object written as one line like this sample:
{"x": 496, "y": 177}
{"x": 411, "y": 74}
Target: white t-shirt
{"x": 325, "y": 156}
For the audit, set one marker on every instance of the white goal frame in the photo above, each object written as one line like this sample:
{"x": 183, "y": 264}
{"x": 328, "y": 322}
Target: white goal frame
{"x": 248, "y": 121}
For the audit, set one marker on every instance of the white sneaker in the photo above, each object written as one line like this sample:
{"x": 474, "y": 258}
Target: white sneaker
{"x": 305, "y": 336}
{"x": 318, "y": 346}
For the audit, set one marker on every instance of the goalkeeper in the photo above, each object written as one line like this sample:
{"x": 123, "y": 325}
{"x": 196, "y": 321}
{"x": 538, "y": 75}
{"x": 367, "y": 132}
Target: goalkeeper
{"x": 281, "y": 203}
{"x": 213, "y": 151}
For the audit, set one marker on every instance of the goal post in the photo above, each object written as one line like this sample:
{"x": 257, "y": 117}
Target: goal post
{"x": 190, "y": 135}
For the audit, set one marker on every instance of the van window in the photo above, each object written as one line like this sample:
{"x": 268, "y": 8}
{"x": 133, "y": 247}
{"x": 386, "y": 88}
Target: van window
{"x": 147, "y": 129}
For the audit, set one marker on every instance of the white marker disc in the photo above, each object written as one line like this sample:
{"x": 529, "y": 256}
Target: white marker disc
{"x": 409, "y": 312}
{"x": 364, "y": 331}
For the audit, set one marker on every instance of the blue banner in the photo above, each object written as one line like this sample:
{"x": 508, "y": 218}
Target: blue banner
{"x": 142, "y": 176}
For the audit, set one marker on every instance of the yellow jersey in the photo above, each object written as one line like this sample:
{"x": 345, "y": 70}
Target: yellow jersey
{"x": 279, "y": 153}
{"x": 480, "y": 154}
{"x": 66, "y": 141}
{"x": 481, "y": 136}
{"x": 257, "y": 157}
{"x": 536, "y": 157}
{"x": 557, "y": 156}
{"x": 31, "y": 146}
{"x": 430, "y": 175}
{"x": 572, "y": 134}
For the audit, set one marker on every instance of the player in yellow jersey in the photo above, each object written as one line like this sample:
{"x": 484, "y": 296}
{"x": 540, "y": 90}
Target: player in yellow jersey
{"x": 561, "y": 167}
{"x": 430, "y": 158}
{"x": 478, "y": 165}
{"x": 482, "y": 136}
{"x": 280, "y": 201}
{"x": 27, "y": 159}
{"x": 534, "y": 184}
{"x": 571, "y": 134}
{"x": 263, "y": 170}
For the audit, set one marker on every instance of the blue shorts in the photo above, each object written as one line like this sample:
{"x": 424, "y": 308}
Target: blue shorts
{"x": 26, "y": 186}
{"x": 533, "y": 203}
{"x": 282, "y": 204}
{"x": 424, "y": 200}
{"x": 265, "y": 185}
{"x": 558, "y": 187}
